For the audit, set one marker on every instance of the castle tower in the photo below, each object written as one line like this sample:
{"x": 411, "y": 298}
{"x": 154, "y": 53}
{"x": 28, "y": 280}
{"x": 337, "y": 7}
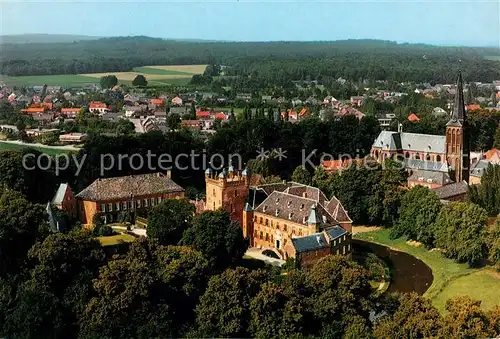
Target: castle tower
{"x": 229, "y": 190}
{"x": 457, "y": 137}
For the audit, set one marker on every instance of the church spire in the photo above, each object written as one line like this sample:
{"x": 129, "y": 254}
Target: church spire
{"x": 459, "y": 107}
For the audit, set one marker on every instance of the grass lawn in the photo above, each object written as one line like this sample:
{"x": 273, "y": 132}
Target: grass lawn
{"x": 49, "y": 151}
{"x": 115, "y": 239}
{"x": 450, "y": 279}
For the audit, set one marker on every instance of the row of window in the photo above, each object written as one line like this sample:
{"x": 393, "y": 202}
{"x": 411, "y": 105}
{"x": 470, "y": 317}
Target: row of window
{"x": 416, "y": 156}
{"x": 128, "y": 205}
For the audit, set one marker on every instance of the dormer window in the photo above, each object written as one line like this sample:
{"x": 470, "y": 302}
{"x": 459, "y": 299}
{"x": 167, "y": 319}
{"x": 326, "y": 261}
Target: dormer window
{"x": 277, "y": 200}
{"x": 277, "y": 212}
{"x": 304, "y": 220}
{"x": 264, "y": 208}
{"x": 301, "y": 207}
{"x": 429, "y": 147}
{"x": 409, "y": 145}
{"x": 289, "y": 204}
{"x": 290, "y": 215}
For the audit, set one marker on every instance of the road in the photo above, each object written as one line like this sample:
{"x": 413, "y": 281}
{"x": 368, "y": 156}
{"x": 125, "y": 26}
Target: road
{"x": 256, "y": 253}
{"x": 38, "y": 145}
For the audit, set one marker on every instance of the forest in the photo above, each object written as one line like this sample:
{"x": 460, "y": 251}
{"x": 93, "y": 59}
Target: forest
{"x": 351, "y": 59}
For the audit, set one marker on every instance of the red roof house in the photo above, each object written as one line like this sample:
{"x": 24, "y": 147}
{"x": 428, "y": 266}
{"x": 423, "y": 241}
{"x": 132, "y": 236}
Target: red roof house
{"x": 413, "y": 117}
{"x": 33, "y": 110}
{"x": 220, "y": 116}
{"x": 203, "y": 114}
{"x": 157, "y": 102}
{"x": 473, "y": 107}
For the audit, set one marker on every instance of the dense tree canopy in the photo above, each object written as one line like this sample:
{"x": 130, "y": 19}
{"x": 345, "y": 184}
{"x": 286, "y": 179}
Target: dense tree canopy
{"x": 168, "y": 221}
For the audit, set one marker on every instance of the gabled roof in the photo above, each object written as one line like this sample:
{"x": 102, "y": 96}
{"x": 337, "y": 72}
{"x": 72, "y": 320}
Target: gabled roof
{"x": 413, "y": 117}
{"x": 61, "y": 192}
{"x": 395, "y": 141}
{"x": 441, "y": 178}
{"x": 124, "y": 187}
{"x": 97, "y": 105}
{"x": 479, "y": 168}
{"x": 451, "y": 190}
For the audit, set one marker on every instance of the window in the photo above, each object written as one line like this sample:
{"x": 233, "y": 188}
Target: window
{"x": 272, "y": 224}
{"x": 334, "y": 242}
{"x": 428, "y": 157}
{"x": 124, "y": 205}
{"x": 117, "y": 207}
{"x": 138, "y": 203}
{"x": 213, "y": 192}
{"x": 255, "y": 233}
{"x": 438, "y": 158}
{"x": 417, "y": 156}
{"x": 343, "y": 250}
{"x": 284, "y": 227}
{"x": 231, "y": 207}
{"x": 407, "y": 155}
{"x": 261, "y": 235}
{"x": 129, "y": 204}
{"x": 277, "y": 244}
{"x": 272, "y": 238}
{"x": 110, "y": 207}
{"x": 103, "y": 207}
{"x": 348, "y": 247}
{"x": 152, "y": 201}
{"x": 145, "y": 202}
{"x": 267, "y": 222}
{"x": 338, "y": 251}
{"x": 277, "y": 225}
{"x": 235, "y": 193}
{"x": 260, "y": 221}
{"x": 300, "y": 233}
{"x": 267, "y": 236}
{"x": 214, "y": 205}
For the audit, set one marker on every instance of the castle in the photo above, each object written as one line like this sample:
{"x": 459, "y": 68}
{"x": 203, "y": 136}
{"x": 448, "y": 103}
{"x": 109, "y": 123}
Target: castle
{"x": 291, "y": 219}
{"x": 433, "y": 160}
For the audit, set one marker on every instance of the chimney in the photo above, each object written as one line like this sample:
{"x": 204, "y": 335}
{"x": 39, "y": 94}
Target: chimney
{"x": 168, "y": 174}
{"x": 400, "y": 128}
{"x": 327, "y": 237}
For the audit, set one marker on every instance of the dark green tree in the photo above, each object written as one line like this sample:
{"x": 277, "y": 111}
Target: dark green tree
{"x": 140, "y": 81}
{"x": 168, "y": 221}
{"x": 220, "y": 240}
{"x": 108, "y": 81}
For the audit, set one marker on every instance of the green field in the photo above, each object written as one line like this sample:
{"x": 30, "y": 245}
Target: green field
{"x": 450, "y": 279}
{"x": 493, "y": 57}
{"x": 49, "y": 151}
{"x": 64, "y": 80}
{"x": 156, "y": 75}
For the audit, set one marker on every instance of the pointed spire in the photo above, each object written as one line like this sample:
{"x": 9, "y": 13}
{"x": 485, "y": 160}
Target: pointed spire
{"x": 459, "y": 108}
{"x": 313, "y": 218}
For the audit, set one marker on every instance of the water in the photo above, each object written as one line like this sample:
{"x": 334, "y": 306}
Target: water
{"x": 408, "y": 274}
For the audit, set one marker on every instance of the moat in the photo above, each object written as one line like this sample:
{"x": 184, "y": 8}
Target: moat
{"x": 408, "y": 274}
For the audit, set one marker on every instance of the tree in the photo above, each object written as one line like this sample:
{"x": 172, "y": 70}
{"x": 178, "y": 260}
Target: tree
{"x": 224, "y": 308}
{"x": 140, "y": 81}
{"x": 108, "y": 81}
{"x": 487, "y": 194}
{"x": 415, "y": 317}
{"x": 466, "y": 319}
{"x": 59, "y": 288}
{"x": 419, "y": 209}
{"x": 493, "y": 243}
{"x": 302, "y": 176}
{"x": 168, "y": 221}
{"x": 150, "y": 293}
{"x": 21, "y": 225}
{"x": 173, "y": 121}
{"x": 220, "y": 240}
{"x": 460, "y": 230}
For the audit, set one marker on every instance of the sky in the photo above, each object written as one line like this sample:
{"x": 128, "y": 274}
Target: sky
{"x": 452, "y": 22}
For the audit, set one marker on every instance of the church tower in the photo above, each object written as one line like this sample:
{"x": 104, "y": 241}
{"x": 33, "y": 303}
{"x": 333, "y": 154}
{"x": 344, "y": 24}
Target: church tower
{"x": 457, "y": 137}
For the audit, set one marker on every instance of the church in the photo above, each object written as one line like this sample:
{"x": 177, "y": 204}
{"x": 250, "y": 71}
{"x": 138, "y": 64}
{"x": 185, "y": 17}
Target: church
{"x": 431, "y": 160}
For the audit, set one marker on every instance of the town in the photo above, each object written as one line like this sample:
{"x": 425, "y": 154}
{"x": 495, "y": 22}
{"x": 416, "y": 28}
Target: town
{"x": 294, "y": 203}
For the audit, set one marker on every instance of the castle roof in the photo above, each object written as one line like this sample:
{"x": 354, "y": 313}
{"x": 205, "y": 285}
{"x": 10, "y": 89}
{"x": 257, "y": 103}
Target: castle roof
{"x": 317, "y": 241}
{"x": 415, "y": 142}
{"x": 124, "y": 187}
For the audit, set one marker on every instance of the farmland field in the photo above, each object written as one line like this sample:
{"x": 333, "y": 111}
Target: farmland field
{"x": 493, "y": 57}
{"x": 155, "y": 75}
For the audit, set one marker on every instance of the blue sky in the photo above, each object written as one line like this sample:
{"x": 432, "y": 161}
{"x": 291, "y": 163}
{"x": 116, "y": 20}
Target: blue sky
{"x": 473, "y": 23}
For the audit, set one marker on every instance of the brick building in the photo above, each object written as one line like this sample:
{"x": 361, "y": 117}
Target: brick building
{"x": 133, "y": 194}
{"x": 296, "y": 221}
